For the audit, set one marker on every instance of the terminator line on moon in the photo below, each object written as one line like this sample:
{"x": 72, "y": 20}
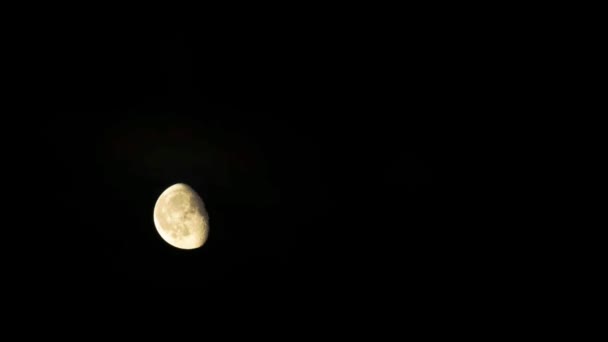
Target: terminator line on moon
{"x": 180, "y": 217}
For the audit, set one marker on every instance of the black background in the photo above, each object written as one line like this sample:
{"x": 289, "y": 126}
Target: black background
{"x": 321, "y": 154}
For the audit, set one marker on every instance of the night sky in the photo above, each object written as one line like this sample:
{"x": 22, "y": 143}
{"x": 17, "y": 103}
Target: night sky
{"x": 320, "y": 161}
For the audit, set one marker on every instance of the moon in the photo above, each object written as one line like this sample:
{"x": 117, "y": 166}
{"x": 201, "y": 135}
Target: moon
{"x": 180, "y": 217}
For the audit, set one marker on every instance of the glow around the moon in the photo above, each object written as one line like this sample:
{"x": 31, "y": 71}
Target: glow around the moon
{"x": 180, "y": 217}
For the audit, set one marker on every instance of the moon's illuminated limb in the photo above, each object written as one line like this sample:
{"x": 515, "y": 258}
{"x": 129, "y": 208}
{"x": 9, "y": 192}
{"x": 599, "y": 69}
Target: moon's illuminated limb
{"x": 180, "y": 217}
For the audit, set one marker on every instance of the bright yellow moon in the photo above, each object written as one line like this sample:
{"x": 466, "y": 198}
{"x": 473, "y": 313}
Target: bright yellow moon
{"x": 180, "y": 217}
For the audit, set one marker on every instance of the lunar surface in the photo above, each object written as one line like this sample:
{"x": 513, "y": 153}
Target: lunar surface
{"x": 180, "y": 217}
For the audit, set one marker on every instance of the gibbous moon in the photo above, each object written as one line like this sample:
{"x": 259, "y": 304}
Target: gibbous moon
{"x": 180, "y": 217}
